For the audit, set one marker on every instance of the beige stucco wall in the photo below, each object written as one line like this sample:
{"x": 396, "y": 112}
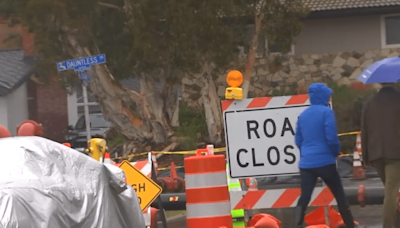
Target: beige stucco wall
{"x": 335, "y": 35}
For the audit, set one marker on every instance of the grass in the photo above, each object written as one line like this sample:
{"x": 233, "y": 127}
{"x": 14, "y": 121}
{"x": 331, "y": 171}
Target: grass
{"x": 170, "y": 214}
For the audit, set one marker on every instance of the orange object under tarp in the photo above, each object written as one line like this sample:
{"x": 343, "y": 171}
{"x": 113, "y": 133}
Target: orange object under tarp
{"x": 4, "y": 132}
{"x": 67, "y": 144}
{"x": 29, "y": 128}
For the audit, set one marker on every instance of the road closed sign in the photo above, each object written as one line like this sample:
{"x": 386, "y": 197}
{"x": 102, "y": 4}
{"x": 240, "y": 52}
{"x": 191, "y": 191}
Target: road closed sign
{"x": 260, "y": 135}
{"x": 146, "y": 189}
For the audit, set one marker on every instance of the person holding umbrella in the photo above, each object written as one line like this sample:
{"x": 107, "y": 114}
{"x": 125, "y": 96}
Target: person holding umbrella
{"x": 380, "y": 132}
{"x": 317, "y": 138}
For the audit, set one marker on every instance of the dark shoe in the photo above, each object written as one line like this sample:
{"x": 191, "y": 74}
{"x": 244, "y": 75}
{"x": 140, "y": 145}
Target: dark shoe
{"x": 299, "y": 217}
{"x": 347, "y": 217}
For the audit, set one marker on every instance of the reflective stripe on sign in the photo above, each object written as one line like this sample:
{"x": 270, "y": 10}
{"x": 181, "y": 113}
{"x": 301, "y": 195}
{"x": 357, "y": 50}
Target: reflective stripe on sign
{"x": 208, "y": 209}
{"x": 205, "y": 180}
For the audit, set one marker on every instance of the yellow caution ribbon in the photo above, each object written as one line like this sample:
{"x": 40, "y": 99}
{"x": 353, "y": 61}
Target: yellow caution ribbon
{"x": 216, "y": 150}
{"x": 349, "y": 133}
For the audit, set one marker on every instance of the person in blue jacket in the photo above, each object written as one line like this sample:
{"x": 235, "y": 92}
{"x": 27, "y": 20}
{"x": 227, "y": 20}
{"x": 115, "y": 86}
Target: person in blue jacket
{"x": 317, "y": 138}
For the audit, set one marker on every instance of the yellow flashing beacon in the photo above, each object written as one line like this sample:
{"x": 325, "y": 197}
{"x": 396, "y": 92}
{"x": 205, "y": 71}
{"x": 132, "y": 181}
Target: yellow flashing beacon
{"x": 234, "y": 80}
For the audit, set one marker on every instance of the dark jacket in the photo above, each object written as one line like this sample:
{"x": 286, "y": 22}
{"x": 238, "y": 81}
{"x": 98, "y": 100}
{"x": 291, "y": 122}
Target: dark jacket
{"x": 316, "y": 131}
{"x": 380, "y": 126}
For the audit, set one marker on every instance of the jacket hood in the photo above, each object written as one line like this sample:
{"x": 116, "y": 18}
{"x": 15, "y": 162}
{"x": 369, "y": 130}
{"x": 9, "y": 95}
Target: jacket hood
{"x": 319, "y": 94}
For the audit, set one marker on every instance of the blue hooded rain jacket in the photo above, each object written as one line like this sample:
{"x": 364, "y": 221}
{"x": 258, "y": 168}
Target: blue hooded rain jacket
{"x": 316, "y": 130}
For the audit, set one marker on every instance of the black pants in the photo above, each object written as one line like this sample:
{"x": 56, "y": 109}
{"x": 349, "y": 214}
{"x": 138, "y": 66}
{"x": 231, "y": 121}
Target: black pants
{"x": 330, "y": 176}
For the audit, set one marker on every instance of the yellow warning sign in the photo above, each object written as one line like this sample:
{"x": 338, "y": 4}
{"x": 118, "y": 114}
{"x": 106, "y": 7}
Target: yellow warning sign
{"x": 146, "y": 189}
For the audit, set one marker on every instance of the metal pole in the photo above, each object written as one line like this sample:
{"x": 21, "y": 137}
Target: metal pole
{"x": 159, "y": 202}
{"x": 86, "y": 108}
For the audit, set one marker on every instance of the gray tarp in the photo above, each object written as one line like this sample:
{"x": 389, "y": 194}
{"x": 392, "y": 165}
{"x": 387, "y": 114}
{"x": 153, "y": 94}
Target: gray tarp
{"x": 44, "y": 184}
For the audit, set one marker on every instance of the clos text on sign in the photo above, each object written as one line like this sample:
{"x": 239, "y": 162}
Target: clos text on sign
{"x": 261, "y": 142}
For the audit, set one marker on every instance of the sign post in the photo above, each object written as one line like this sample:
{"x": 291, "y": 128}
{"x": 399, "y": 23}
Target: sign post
{"x": 82, "y": 67}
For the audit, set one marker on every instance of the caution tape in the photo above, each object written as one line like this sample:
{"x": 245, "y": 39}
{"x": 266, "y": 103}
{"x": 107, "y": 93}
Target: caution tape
{"x": 168, "y": 168}
{"x": 349, "y": 133}
{"x": 216, "y": 150}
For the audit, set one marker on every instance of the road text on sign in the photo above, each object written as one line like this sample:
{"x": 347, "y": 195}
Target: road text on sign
{"x": 146, "y": 189}
{"x": 260, "y": 141}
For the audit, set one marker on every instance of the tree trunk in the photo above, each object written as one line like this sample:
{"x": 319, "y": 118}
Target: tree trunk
{"x": 251, "y": 57}
{"x": 212, "y": 109}
{"x": 144, "y": 117}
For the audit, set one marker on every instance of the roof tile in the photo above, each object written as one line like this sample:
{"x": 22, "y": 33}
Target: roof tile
{"x": 322, "y": 5}
{"x": 14, "y": 69}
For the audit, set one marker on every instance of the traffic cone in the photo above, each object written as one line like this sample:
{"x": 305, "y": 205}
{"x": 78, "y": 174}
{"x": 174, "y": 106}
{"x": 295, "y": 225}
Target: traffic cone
{"x": 317, "y": 217}
{"x": 264, "y": 221}
{"x": 107, "y": 158}
{"x": 358, "y": 170}
{"x": 358, "y": 143}
{"x": 252, "y": 184}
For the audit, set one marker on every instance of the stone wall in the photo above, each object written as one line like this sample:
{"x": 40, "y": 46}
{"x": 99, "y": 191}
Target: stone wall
{"x": 342, "y": 68}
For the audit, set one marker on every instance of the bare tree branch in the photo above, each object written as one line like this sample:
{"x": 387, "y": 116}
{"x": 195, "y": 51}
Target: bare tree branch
{"x": 110, "y": 6}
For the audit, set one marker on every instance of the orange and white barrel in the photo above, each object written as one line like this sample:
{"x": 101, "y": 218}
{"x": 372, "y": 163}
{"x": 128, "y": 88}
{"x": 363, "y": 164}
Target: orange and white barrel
{"x": 207, "y": 195}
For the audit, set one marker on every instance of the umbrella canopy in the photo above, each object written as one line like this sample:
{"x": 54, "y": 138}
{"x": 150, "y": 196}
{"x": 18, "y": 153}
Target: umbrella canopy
{"x": 384, "y": 71}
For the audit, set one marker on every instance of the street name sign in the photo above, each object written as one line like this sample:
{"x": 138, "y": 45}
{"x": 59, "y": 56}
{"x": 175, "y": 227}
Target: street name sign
{"x": 81, "y": 64}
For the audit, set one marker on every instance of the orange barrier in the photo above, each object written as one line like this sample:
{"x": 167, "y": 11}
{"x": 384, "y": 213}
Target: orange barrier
{"x": 207, "y": 195}
{"x": 4, "y": 132}
{"x": 153, "y": 216}
{"x": 318, "y": 226}
{"x": 29, "y": 128}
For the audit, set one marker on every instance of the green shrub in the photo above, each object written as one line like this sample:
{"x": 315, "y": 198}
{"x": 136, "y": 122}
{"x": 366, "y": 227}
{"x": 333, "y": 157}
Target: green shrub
{"x": 192, "y": 129}
{"x": 347, "y": 105}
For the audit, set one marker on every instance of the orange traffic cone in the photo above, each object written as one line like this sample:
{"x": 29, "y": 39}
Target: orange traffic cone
{"x": 358, "y": 143}
{"x": 317, "y": 217}
{"x": 4, "y": 132}
{"x": 107, "y": 158}
{"x": 358, "y": 170}
{"x": 252, "y": 184}
{"x": 318, "y": 226}
{"x": 264, "y": 221}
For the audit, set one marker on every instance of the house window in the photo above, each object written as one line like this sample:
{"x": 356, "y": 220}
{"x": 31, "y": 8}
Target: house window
{"x": 390, "y": 31}
{"x": 277, "y": 48}
{"x": 264, "y": 46}
{"x": 94, "y": 107}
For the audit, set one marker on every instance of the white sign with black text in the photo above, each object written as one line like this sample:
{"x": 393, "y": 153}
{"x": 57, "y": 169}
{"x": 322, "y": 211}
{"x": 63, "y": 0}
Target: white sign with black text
{"x": 260, "y": 142}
